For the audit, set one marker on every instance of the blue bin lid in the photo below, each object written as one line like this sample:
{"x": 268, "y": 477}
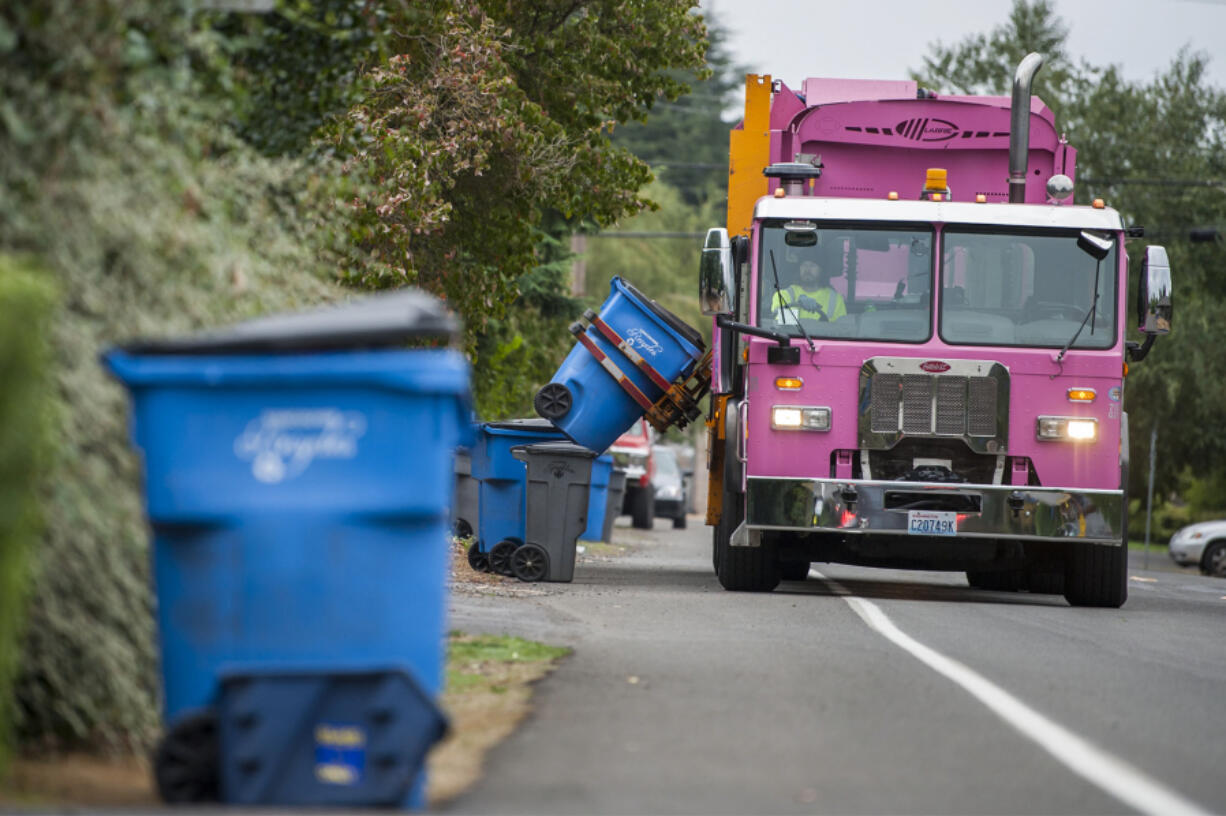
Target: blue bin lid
{"x": 375, "y": 321}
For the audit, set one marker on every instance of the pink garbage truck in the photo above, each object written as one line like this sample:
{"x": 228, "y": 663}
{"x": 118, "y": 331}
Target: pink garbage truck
{"x": 920, "y": 344}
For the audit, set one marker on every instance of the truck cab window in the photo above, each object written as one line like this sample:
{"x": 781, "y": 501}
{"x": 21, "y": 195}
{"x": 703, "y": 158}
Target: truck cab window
{"x": 854, "y": 281}
{"x": 1029, "y": 288}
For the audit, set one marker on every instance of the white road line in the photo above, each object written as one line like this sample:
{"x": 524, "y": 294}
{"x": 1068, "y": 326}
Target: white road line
{"x": 1111, "y": 774}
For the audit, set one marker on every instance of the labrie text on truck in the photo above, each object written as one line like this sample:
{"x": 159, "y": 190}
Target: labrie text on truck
{"x": 919, "y": 343}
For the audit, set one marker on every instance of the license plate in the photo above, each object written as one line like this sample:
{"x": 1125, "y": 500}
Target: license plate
{"x": 932, "y": 522}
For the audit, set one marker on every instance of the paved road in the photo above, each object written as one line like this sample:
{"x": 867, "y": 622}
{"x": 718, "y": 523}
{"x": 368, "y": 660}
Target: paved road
{"x": 863, "y": 691}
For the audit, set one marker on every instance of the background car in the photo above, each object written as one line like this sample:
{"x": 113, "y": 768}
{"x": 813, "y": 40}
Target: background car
{"x": 1201, "y": 545}
{"x": 632, "y": 452}
{"x": 669, "y": 485}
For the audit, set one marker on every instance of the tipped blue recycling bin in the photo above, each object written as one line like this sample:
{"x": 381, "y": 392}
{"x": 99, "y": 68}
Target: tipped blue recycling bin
{"x": 584, "y": 399}
{"x": 299, "y": 475}
{"x": 502, "y": 477}
{"x": 598, "y": 498}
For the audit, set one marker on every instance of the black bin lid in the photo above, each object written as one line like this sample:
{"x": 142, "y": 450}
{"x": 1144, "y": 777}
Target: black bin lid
{"x": 526, "y": 424}
{"x": 373, "y": 321}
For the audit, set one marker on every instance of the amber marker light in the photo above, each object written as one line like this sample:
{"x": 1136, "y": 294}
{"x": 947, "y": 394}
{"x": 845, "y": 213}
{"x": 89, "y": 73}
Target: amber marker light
{"x": 893, "y": 195}
{"x": 980, "y": 198}
{"x": 1098, "y": 204}
{"x": 1081, "y": 394}
{"x": 789, "y": 383}
{"x": 779, "y": 193}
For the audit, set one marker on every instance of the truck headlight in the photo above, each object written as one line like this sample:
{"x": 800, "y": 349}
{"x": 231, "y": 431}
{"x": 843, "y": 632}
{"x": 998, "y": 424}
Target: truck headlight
{"x": 800, "y": 418}
{"x": 1073, "y": 429}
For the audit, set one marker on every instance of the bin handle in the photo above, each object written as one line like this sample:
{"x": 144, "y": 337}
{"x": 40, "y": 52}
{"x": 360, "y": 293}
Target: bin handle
{"x": 620, "y": 376}
{"x": 742, "y": 419}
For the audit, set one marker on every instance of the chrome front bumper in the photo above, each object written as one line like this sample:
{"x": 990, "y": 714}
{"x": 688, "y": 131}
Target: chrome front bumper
{"x": 1005, "y": 511}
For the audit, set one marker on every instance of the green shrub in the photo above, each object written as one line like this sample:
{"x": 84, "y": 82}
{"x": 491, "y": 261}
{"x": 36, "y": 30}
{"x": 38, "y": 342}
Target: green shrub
{"x": 25, "y": 306}
{"x": 152, "y": 219}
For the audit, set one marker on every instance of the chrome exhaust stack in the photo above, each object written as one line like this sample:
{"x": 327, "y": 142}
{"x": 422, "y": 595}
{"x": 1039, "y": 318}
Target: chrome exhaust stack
{"x": 1019, "y": 126}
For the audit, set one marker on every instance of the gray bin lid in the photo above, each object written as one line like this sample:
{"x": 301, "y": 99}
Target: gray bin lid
{"x": 373, "y": 321}
{"x": 552, "y": 449}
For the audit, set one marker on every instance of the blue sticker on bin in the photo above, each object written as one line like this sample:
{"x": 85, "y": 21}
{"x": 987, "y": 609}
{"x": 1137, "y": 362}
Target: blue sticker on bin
{"x": 340, "y": 753}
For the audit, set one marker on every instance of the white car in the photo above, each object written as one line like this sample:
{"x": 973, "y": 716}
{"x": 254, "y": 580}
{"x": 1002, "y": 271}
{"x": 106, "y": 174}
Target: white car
{"x": 1201, "y": 545}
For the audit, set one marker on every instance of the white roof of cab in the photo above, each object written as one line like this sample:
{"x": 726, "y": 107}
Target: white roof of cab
{"x": 947, "y": 212}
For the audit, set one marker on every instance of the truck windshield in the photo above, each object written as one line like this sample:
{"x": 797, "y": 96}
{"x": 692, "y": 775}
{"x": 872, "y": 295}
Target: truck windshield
{"x": 1024, "y": 288}
{"x": 838, "y": 280}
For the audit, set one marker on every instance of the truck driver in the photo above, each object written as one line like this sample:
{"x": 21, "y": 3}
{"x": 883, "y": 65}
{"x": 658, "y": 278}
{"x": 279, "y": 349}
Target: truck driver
{"x": 811, "y": 297}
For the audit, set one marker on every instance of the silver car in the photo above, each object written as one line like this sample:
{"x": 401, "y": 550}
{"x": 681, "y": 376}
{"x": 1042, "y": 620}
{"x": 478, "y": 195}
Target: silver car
{"x": 1201, "y": 545}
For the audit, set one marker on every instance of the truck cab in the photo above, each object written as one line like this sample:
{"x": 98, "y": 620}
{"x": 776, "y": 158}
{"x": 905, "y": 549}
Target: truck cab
{"x": 920, "y": 348}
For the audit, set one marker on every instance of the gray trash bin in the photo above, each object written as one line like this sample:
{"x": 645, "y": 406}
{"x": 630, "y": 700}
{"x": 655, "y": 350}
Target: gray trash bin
{"x": 559, "y": 476}
{"x": 465, "y": 513}
{"x": 613, "y": 509}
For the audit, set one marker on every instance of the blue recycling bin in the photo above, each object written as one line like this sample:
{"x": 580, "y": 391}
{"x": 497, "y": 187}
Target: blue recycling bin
{"x": 502, "y": 477}
{"x": 585, "y": 400}
{"x": 598, "y": 498}
{"x": 299, "y": 479}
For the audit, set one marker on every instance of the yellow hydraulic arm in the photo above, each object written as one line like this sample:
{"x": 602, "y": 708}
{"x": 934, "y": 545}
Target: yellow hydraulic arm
{"x": 748, "y": 156}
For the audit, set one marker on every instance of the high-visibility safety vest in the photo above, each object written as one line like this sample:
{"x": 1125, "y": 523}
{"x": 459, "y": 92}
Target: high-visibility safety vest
{"x": 830, "y": 301}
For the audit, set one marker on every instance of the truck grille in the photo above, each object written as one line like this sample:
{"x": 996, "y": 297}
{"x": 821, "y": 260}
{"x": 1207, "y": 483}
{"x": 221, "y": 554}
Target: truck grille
{"x": 933, "y": 405}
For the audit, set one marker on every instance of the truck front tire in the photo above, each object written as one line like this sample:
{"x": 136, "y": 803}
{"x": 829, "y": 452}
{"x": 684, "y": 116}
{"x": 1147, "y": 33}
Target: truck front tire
{"x": 742, "y": 569}
{"x": 1096, "y": 575}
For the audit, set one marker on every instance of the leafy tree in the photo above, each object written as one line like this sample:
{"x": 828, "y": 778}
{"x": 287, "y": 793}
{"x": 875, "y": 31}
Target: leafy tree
{"x": 686, "y": 140}
{"x": 985, "y": 63}
{"x": 120, "y": 175}
{"x": 489, "y": 116}
{"x": 1156, "y": 151}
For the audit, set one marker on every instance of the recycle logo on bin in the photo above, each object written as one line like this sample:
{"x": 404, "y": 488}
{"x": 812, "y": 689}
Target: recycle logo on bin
{"x": 281, "y": 444}
{"x": 647, "y": 344}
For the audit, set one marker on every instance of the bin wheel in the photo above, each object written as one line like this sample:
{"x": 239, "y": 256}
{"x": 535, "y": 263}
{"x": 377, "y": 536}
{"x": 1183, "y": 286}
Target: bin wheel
{"x": 186, "y": 759}
{"x": 530, "y": 563}
{"x": 553, "y": 401}
{"x": 500, "y": 556}
{"x": 477, "y": 559}
{"x": 462, "y": 529}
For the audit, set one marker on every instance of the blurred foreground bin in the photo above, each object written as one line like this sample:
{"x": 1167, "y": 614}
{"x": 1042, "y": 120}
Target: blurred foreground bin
{"x": 598, "y": 498}
{"x": 624, "y": 361}
{"x": 299, "y": 473}
{"x": 559, "y": 481}
{"x": 613, "y": 507}
{"x": 501, "y": 478}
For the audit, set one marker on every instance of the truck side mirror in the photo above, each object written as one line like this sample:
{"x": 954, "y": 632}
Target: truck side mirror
{"x": 1154, "y": 293}
{"x": 716, "y": 274}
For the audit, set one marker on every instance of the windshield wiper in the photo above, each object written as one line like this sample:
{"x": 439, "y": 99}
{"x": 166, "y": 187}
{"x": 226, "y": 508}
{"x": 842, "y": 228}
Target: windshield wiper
{"x": 1091, "y": 313}
{"x": 784, "y": 303}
